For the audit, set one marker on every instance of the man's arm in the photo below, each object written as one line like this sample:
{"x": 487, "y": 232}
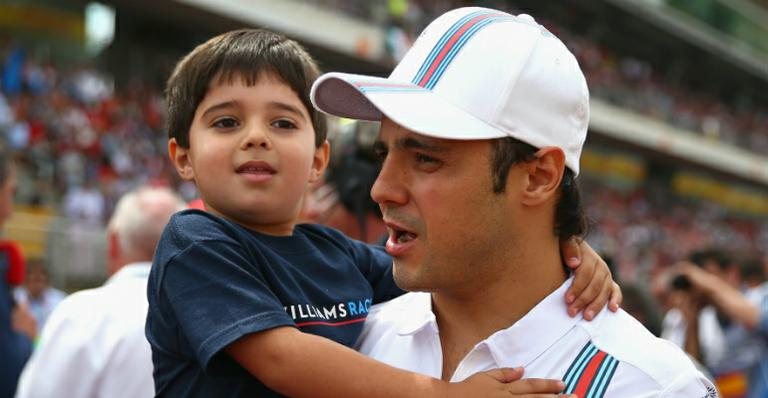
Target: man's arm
{"x": 304, "y": 365}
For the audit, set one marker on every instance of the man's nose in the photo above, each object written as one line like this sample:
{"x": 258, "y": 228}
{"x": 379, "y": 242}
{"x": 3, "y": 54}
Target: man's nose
{"x": 390, "y": 185}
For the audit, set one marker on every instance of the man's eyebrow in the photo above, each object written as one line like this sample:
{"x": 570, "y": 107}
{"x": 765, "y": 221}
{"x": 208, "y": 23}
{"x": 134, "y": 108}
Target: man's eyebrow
{"x": 423, "y": 144}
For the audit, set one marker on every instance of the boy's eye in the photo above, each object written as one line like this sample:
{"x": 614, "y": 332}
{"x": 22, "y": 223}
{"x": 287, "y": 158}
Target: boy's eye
{"x": 225, "y": 123}
{"x": 283, "y": 124}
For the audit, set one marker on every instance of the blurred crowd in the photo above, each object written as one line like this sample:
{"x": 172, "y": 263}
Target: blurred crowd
{"x": 622, "y": 80}
{"x": 80, "y": 144}
{"x": 647, "y": 228}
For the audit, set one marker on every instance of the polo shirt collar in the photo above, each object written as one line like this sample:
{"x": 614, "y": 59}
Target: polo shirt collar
{"x": 419, "y": 315}
{"x": 534, "y": 333}
{"x": 138, "y": 270}
{"x": 517, "y": 345}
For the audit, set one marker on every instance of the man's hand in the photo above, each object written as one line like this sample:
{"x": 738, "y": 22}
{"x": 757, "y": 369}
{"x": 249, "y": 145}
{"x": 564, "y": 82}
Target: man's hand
{"x": 592, "y": 287}
{"x": 505, "y": 382}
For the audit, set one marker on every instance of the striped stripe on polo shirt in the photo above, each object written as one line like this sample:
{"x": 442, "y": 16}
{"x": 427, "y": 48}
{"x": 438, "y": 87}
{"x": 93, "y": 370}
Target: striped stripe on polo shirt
{"x": 590, "y": 373}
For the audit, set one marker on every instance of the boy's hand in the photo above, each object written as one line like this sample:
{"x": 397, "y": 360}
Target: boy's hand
{"x": 505, "y": 382}
{"x": 592, "y": 285}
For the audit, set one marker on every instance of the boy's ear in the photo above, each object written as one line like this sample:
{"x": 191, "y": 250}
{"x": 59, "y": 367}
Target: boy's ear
{"x": 180, "y": 159}
{"x": 320, "y": 161}
{"x": 544, "y": 174}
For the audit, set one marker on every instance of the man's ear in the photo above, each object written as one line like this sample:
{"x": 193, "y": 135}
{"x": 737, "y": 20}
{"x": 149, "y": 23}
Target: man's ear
{"x": 180, "y": 159}
{"x": 320, "y": 161}
{"x": 544, "y": 174}
{"x": 113, "y": 252}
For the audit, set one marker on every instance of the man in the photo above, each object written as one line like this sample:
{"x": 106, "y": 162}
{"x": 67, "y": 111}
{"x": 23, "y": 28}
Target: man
{"x": 93, "y": 344}
{"x": 692, "y": 323}
{"x": 482, "y": 125}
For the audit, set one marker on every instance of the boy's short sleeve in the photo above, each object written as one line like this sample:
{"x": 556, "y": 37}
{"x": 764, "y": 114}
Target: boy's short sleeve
{"x": 376, "y": 266}
{"x": 217, "y": 295}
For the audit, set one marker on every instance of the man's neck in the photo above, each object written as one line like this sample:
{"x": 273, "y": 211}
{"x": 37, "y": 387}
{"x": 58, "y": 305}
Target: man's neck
{"x": 464, "y": 320}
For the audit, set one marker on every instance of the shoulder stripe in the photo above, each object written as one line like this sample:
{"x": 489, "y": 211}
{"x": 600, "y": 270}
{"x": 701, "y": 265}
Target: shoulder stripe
{"x": 578, "y": 364}
{"x": 590, "y": 373}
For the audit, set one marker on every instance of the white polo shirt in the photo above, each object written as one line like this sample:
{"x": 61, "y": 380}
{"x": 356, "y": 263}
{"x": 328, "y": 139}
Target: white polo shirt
{"x": 612, "y": 356}
{"x": 93, "y": 344}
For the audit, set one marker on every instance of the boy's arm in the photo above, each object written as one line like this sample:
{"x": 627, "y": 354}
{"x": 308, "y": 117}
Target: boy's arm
{"x": 299, "y": 364}
{"x": 593, "y": 286}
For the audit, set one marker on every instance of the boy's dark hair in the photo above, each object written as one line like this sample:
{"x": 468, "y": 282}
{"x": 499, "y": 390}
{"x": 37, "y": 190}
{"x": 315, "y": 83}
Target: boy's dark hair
{"x": 246, "y": 54}
{"x": 569, "y": 212}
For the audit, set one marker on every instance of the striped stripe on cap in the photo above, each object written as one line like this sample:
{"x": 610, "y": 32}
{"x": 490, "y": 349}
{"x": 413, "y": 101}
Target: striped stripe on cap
{"x": 450, "y": 44}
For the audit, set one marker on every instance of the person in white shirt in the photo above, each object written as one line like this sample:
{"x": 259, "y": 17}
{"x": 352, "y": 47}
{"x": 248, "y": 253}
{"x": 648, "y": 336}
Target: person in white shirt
{"x": 482, "y": 126}
{"x": 37, "y": 293}
{"x": 93, "y": 344}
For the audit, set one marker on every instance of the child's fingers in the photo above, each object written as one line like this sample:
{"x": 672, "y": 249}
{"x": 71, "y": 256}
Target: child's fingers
{"x": 570, "y": 250}
{"x": 581, "y": 280}
{"x": 600, "y": 301}
{"x": 592, "y": 298}
{"x": 547, "y": 396}
{"x": 617, "y": 297}
{"x": 506, "y": 375}
{"x": 536, "y": 386}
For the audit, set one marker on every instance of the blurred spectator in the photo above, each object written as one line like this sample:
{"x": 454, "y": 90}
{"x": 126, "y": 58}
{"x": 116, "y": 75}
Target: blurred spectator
{"x": 16, "y": 331}
{"x": 752, "y": 273}
{"x": 743, "y": 317}
{"x": 84, "y": 203}
{"x": 692, "y": 322}
{"x": 639, "y": 305}
{"x": 37, "y": 293}
{"x": 93, "y": 344}
{"x": 342, "y": 200}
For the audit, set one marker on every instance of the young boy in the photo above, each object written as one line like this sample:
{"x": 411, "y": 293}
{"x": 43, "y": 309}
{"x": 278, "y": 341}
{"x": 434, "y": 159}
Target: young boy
{"x": 240, "y": 296}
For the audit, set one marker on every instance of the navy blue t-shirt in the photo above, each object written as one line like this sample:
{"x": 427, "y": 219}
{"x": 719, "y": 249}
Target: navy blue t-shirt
{"x": 214, "y": 281}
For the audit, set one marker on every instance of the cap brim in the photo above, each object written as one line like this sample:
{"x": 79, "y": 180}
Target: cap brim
{"x": 409, "y": 105}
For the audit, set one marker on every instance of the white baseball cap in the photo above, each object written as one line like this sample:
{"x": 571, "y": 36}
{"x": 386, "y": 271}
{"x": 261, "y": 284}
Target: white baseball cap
{"x": 474, "y": 73}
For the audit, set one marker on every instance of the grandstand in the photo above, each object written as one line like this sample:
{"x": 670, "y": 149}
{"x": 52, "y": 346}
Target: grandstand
{"x": 679, "y": 131}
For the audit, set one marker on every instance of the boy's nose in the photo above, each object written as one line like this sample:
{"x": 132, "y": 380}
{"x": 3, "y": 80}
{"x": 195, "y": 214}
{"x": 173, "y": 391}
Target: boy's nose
{"x": 256, "y": 136}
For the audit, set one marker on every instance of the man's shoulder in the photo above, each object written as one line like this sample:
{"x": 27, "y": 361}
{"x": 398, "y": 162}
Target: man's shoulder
{"x": 388, "y": 320}
{"x": 94, "y": 303}
{"x": 646, "y": 359}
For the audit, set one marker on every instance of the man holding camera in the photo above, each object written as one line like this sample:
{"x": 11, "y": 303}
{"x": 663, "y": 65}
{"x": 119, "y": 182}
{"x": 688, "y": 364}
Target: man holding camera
{"x": 719, "y": 324}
